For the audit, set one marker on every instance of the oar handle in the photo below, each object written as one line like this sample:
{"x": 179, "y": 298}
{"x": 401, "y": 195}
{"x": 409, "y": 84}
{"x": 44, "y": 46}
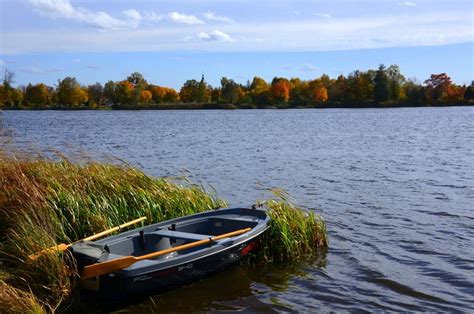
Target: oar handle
{"x": 106, "y": 232}
{"x": 106, "y": 267}
{"x": 62, "y": 247}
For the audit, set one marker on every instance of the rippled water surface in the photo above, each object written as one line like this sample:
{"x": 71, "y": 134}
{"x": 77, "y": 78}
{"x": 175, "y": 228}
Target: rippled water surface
{"x": 396, "y": 187}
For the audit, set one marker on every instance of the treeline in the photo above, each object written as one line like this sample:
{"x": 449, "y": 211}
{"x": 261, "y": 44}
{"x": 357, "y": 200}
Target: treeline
{"x": 384, "y": 87}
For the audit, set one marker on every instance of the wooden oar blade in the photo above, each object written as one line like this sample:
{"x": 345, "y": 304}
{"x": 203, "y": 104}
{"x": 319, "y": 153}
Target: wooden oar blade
{"x": 57, "y": 248}
{"x": 107, "y": 267}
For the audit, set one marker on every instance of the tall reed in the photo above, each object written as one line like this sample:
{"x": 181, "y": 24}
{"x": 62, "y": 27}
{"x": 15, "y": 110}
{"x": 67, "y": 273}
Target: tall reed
{"x": 45, "y": 201}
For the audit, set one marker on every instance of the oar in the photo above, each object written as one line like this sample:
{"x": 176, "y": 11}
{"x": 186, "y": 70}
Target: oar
{"x": 62, "y": 247}
{"x": 106, "y": 267}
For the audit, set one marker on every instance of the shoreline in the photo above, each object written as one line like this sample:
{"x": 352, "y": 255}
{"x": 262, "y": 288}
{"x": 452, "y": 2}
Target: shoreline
{"x": 214, "y": 106}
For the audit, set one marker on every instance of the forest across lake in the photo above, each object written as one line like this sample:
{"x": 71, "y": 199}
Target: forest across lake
{"x": 384, "y": 87}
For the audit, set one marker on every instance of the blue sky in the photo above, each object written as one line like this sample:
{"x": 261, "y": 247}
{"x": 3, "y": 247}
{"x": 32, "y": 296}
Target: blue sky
{"x": 172, "y": 41}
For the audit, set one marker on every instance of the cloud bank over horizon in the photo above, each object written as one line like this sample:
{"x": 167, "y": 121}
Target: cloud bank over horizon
{"x": 67, "y": 27}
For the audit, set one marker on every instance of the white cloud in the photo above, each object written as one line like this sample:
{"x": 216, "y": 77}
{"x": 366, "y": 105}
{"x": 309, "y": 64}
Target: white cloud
{"x": 152, "y": 16}
{"x": 308, "y": 68}
{"x": 93, "y": 67}
{"x": 324, "y": 15}
{"x": 416, "y": 29}
{"x": 132, "y": 14}
{"x": 76, "y": 60}
{"x": 407, "y": 3}
{"x": 214, "y": 36}
{"x": 2, "y": 63}
{"x": 64, "y": 9}
{"x": 211, "y": 16}
{"x": 35, "y": 69}
{"x": 54, "y": 69}
{"x": 184, "y": 19}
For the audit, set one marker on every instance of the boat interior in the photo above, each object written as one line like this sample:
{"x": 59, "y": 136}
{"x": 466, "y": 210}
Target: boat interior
{"x": 173, "y": 235}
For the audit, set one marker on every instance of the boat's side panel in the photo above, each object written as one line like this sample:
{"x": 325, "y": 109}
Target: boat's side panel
{"x": 157, "y": 281}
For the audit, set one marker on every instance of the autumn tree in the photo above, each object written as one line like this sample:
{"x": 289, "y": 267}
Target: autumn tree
{"x": 109, "y": 92}
{"x": 360, "y": 86}
{"x": 396, "y": 81}
{"x": 124, "y": 92}
{"x": 339, "y": 89}
{"x": 96, "y": 94}
{"x": 9, "y": 96}
{"x": 139, "y": 84}
{"x": 299, "y": 93}
{"x": 203, "y": 91}
{"x": 170, "y": 95}
{"x": 414, "y": 92}
{"x": 2, "y": 96}
{"x": 215, "y": 94}
{"x": 259, "y": 91}
{"x": 436, "y": 86}
{"x": 230, "y": 90}
{"x": 469, "y": 93}
{"x": 8, "y": 78}
{"x": 158, "y": 93}
{"x": 189, "y": 91}
{"x": 280, "y": 90}
{"x": 325, "y": 80}
{"x": 162, "y": 94}
{"x": 70, "y": 94}
{"x": 381, "y": 85}
{"x": 194, "y": 91}
{"x": 320, "y": 94}
{"x": 145, "y": 97}
{"x": 454, "y": 94}
{"x": 37, "y": 96}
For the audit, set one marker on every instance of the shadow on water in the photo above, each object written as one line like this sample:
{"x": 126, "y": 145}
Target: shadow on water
{"x": 239, "y": 288}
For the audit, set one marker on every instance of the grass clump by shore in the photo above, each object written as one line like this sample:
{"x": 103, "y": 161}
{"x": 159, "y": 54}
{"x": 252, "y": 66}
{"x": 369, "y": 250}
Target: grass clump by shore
{"x": 44, "y": 202}
{"x": 294, "y": 233}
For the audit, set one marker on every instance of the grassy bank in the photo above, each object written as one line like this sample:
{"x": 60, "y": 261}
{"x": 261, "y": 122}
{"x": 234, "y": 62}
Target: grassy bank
{"x": 44, "y": 202}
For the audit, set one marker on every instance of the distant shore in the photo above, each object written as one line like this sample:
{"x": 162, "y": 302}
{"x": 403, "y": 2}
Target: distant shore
{"x": 382, "y": 88}
{"x": 228, "y": 106}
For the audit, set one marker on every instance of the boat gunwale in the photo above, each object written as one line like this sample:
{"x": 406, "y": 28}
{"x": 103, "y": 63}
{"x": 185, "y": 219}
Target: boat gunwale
{"x": 155, "y": 265}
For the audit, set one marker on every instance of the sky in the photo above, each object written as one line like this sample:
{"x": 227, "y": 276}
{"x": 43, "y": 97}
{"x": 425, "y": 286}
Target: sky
{"x": 170, "y": 42}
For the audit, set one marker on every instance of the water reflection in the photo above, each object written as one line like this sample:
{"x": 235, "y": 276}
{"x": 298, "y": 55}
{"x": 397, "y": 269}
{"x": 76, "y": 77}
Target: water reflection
{"x": 243, "y": 287}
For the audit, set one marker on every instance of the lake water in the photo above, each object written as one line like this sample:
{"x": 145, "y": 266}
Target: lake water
{"x": 396, "y": 187}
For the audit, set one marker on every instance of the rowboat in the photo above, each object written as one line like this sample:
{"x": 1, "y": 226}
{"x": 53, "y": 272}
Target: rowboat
{"x": 171, "y": 253}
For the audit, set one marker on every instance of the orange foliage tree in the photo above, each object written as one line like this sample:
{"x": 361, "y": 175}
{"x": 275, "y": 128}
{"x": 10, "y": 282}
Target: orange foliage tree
{"x": 145, "y": 97}
{"x": 437, "y": 86}
{"x": 320, "y": 94}
{"x": 158, "y": 93}
{"x": 453, "y": 94}
{"x": 280, "y": 90}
